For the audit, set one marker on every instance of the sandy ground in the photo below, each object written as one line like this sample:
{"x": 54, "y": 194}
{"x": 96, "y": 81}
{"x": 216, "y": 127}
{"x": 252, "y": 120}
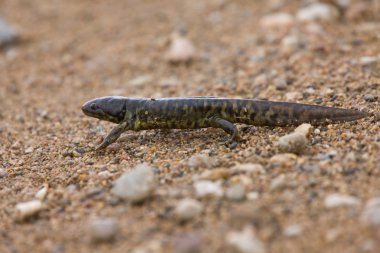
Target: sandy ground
{"x": 71, "y": 51}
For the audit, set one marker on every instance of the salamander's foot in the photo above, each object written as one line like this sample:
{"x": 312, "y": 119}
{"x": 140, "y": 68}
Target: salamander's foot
{"x": 111, "y": 137}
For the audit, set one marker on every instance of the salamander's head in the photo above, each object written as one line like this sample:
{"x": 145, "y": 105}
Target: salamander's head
{"x": 106, "y": 108}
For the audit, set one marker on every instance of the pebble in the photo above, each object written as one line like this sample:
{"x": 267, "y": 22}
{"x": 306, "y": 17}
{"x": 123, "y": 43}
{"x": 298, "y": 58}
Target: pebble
{"x": 3, "y": 173}
{"x": 368, "y": 60}
{"x": 206, "y": 188}
{"x": 235, "y": 192}
{"x": 245, "y": 241}
{"x": 188, "y": 209}
{"x": 135, "y": 185}
{"x": 103, "y": 229}
{"x": 29, "y": 150}
{"x": 369, "y": 98}
{"x": 140, "y": 80}
{"x": 277, "y": 20}
{"x": 295, "y": 143}
{"x": 280, "y": 84}
{"x": 181, "y": 49}
{"x": 201, "y": 161}
{"x": 25, "y": 210}
{"x": 317, "y": 11}
{"x": 251, "y": 168}
{"x": 216, "y": 174}
{"x": 188, "y": 243}
{"x": 7, "y": 33}
{"x": 303, "y": 129}
{"x": 291, "y": 43}
{"x": 293, "y": 230}
{"x": 41, "y": 194}
{"x": 336, "y": 199}
{"x": 371, "y": 213}
{"x": 252, "y": 195}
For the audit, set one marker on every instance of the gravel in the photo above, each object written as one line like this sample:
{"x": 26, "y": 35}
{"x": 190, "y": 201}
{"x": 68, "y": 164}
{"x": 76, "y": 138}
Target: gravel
{"x": 136, "y": 185}
{"x": 371, "y": 213}
{"x": 317, "y": 11}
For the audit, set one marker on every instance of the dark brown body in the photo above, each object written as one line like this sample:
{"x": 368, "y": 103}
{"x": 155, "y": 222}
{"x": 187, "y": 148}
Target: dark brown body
{"x": 195, "y": 112}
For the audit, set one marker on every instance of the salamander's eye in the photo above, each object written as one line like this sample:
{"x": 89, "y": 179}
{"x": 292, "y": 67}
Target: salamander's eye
{"x": 93, "y": 106}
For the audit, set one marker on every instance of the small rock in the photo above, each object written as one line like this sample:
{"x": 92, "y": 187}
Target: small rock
{"x": 336, "y": 200}
{"x": 235, "y": 192}
{"x": 41, "y": 194}
{"x": 317, "y": 11}
{"x": 278, "y": 183}
{"x": 29, "y": 150}
{"x": 25, "y": 210}
{"x": 7, "y": 33}
{"x": 245, "y": 241}
{"x": 206, "y": 188}
{"x": 135, "y": 185}
{"x": 3, "y": 173}
{"x": 371, "y": 213}
{"x": 291, "y": 43}
{"x": 250, "y": 168}
{"x": 293, "y": 143}
{"x": 280, "y": 84}
{"x": 114, "y": 147}
{"x": 216, "y": 174}
{"x": 188, "y": 243}
{"x": 277, "y": 20}
{"x": 369, "y": 98}
{"x": 368, "y": 60}
{"x": 140, "y": 80}
{"x": 293, "y": 230}
{"x": 188, "y": 209}
{"x": 252, "y": 195}
{"x": 201, "y": 161}
{"x": 181, "y": 49}
{"x": 303, "y": 129}
{"x": 103, "y": 229}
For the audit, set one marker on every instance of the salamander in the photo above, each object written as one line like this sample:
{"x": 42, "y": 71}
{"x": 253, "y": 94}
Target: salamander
{"x": 202, "y": 112}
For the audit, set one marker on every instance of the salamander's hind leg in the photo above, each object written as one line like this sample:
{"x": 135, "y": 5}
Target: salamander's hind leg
{"x": 112, "y": 136}
{"x": 227, "y": 126}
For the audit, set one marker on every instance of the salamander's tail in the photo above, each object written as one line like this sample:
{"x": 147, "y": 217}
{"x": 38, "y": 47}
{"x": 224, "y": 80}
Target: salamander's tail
{"x": 284, "y": 113}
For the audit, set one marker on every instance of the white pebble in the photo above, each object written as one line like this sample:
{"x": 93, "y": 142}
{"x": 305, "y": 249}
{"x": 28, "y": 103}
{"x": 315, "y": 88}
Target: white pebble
{"x": 235, "y": 192}
{"x": 317, "y": 11}
{"x": 368, "y": 60}
{"x": 245, "y": 241}
{"x": 181, "y": 50}
{"x": 201, "y": 161}
{"x": 303, "y": 129}
{"x": 140, "y": 80}
{"x": 293, "y": 230}
{"x": 25, "y": 210}
{"x": 7, "y": 33}
{"x": 252, "y": 195}
{"x": 249, "y": 168}
{"x": 206, "y": 188}
{"x": 293, "y": 143}
{"x": 187, "y": 209}
{"x": 103, "y": 229}
{"x": 135, "y": 185}
{"x": 291, "y": 43}
{"x": 371, "y": 212}
{"x": 335, "y": 200}
{"x": 277, "y": 20}
{"x": 41, "y": 194}
{"x": 29, "y": 150}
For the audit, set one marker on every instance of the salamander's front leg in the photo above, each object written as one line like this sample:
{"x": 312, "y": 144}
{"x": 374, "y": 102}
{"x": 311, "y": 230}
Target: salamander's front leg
{"x": 227, "y": 126}
{"x": 112, "y": 136}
